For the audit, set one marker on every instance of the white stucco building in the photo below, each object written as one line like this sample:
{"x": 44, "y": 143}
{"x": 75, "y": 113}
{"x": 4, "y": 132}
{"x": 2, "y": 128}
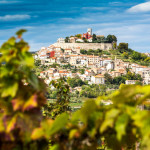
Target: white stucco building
{"x": 98, "y": 79}
{"x": 61, "y": 40}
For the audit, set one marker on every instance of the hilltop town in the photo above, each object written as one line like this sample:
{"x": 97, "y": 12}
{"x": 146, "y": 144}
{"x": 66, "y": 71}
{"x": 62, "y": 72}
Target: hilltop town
{"x": 87, "y": 41}
{"x": 83, "y": 57}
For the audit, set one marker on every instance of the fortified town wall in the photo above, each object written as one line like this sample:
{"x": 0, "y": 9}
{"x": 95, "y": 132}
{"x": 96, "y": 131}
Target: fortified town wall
{"x": 86, "y": 46}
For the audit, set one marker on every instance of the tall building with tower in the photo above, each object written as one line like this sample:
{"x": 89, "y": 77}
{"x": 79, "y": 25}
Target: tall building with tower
{"x": 88, "y": 35}
{"x": 89, "y": 30}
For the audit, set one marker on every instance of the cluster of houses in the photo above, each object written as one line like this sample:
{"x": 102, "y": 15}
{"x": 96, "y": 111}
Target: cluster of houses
{"x": 89, "y": 75}
{"x": 95, "y": 66}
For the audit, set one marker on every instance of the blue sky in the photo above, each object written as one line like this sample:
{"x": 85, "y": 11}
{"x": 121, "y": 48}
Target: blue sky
{"x": 47, "y": 20}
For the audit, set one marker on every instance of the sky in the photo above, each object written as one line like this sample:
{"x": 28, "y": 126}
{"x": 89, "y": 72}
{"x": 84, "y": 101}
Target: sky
{"x": 47, "y": 20}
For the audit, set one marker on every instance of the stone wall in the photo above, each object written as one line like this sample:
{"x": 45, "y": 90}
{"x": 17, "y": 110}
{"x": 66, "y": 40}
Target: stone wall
{"x": 86, "y": 46}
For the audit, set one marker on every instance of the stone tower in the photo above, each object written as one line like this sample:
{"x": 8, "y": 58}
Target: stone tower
{"x": 89, "y": 31}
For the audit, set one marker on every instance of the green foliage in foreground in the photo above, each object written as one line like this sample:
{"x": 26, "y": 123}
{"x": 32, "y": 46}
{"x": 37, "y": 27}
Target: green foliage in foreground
{"x": 21, "y": 96}
{"x": 117, "y": 126}
{"x": 120, "y": 125}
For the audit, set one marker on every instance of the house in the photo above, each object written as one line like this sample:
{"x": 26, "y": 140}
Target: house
{"x": 98, "y": 79}
{"x": 147, "y": 54}
{"x": 115, "y": 74}
{"x": 110, "y": 66}
{"x": 52, "y": 70}
{"x": 134, "y": 66}
{"x": 60, "y": 59}
{"x": 140, "y": 69}
{"x": 84, "y": 62}
{"x": 67, "y": 58}
{"x": 146, "y": 76}
{"x": 51, "y": 48}
{"x": 63, "y": 73}
{"x": 146, "y": 81}
{"x": 130, "y": 81}
{"x": 86, "y": 35}
{"x": 72, "y": 39}
{"x": 44, "y": 56}
{"x": 43, "y": 74}
{"x": 89, "y": 72}
{"x": 78, "y": 60}
{"x": 48, "y": 61}
{"x": 79, "y": 40}
{"x": 91, "y": 66}
{"x": 50, "y": 54}
{"x": 57, "y": 48}
{"x": 68, "y": 51}
{"x": 84, "y": 77}
{"x": 47, "y": 81}
{"x": 58, "y": 53}
{"x": 93, "y": 59}
{"x": 122, "y": 71}
{"x": 77, "y": 50}
{"x": 61, "y": 40}
{"x": 90, "y": 39}
{"x": 100, "y": 36}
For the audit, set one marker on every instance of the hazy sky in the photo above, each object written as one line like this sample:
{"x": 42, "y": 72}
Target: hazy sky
{"x": 47, "y": 20}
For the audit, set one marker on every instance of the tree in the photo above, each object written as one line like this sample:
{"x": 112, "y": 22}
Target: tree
{"x": 114, "y": 38}
{"x": 85, "y": 40}
{"x": 74, "y": 70}
{"x": 127, "y": 69}
{"x": 125, "y": 55}
{"x": 119, "y": 80}
{"x": 82, "y": 71}
{"x": 111, "y": 38}
{"x": 74, "y": 82}
{"x": 82, "y": 51}
{"x": 63, "y": 49}
{"x": 37, "y": 62}
{"x": 129, "y": 76}
{"x": 147, "y": 59}
{"x": 68, "y": 66}
{"x": 123, "y": 47}
{"x": 62, "y": 93}
{"x": 90, "y": 52}
{"x": 94, "y": 39}
{"x": 114, "y": 45}
{"x": 136, "y": 56}
{"x": 54, "y": 65}
{"x": 108, "y": 78}
{"x": 78, "y": 36}
{"x": 67, "y": 39}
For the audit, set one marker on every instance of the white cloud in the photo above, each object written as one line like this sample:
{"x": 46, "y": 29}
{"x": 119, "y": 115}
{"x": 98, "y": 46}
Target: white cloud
{"x": 143, "y": 7}
{"x": 94, "y": 8}
{"x": 115, "y": 3}
{"x": 137, "y": 35}
{"x": 14, "y": 17}
{"x": 8, "y": 2}
{"x": 133, "y": 31}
